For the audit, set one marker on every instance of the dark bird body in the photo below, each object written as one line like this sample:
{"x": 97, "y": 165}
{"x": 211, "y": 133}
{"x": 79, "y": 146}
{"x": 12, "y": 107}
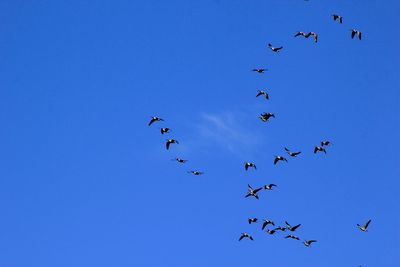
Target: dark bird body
{"x": 169, "y": 142}
{"x": 245, "y": 235}
{"x": 154, "y": 119}
{"x": 279, "y": 158}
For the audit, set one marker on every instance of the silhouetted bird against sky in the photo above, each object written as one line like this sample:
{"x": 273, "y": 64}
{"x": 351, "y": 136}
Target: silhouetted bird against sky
{"x": 248, "y": 165}
{"x": 308, "y": 243}
{"x": 263, "y": 93}
{"x": 325, "y": 143}
{"x": 245, "y": 235}
{"x": 154, "y": 119}
{"x": 169, "y": 142}
{"x": 354, "y": 32}
{"x": 292, "y": 154}
{"x": 301, "y": 34}
{"x": 280, "y": 228}
{"x": 259, "y": 70}
{"x": 180, "y": 160}
{"x": 252, "y": 220}
{"x": 364, "y": 227}
{"x": 252, "y": 192}
{"x": 292, "y": 237}
{"x": 278, "y": 158}
{"x": 275, "y": 49}
{"x": 319, "y": 149}
{"x": 338, "y": 18}
{"x": 196, "y": 172}
{"x": 269, "y": 186}
{"x": 165, "y": 130}
{"x": 266, "y": 115}
{"x": 266, "y": 222}
{"x": 314, "y": 35}
{"x": 292, "y": 228}
{"x": 271, "y": 232}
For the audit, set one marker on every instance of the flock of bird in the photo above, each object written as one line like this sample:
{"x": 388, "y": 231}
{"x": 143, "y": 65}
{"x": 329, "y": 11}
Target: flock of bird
{"x": 265, "y": 117}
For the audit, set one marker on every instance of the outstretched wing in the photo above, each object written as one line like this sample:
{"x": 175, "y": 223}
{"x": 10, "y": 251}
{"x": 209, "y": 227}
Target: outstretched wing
{"x": 276, "y": 160}
{"x": 366, "y": 225}
{"x": 295, "y": 153}
{"x": 352, "y": 34}
{"x": 151, "y": 121}
{"x": 295, "y": 227}
{"x": 359, "y": 35}
{"x": 168, "y": 144}
{"x": 264, "y": 224}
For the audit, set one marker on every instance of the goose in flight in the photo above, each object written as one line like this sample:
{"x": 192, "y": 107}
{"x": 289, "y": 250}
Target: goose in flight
{"x": 259, "y": 70}
{"x": 252, "y": 192}
{"x": 262, "y": 93}
{"x": 154, "y": 119}
{"x": 337, "y": 17}
{"x": 269, "y": 186}
{"x": 280, "y": 228}
{"x": 364, "y": 227}
{"x": 180, "y": 160}
{"x": 325, "y": 143}
{"x": 292, "y": 228}
{"x": 165, "y": 130}
{"x": 266, "y": 115}
{"x": 169, "y": 142}
{"x": 252, "y": 220}
{"x": 196, "y": 172}
{"x": 278, "y": 158}
{"x": 292, "y": 237}
{"x": 319, "y": 149}
{"x": 248, "y": 165}
{"x": 275, "y": 49}
{"x": 301, "y": 34}
{"x": 271, "y": 232}
{"x": 354, "y": 32}
{"x": 266, "y": 222}
{"x": 245, "y": 235}
{"x": 308, "y": 243}
{"x": 292, "y": 154}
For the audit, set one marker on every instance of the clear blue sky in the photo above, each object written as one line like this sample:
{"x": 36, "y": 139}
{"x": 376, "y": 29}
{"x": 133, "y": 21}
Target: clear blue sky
{"x": 85, "y": 182}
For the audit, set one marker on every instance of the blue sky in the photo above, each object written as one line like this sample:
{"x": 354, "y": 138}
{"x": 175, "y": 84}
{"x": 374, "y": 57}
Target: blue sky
{"x": 85, "y": 182}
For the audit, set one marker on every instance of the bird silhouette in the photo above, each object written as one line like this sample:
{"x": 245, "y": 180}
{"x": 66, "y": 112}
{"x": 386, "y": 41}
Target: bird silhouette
{"x": 262, "y": 93}
{"x": 252, "y": 220}
{"x": 165, "y": 130}
{"x": 266, "y": 222}
{"x": 275, "y": 49}
{"x": 319, "y": 149}
{"x": 180, "y": 160}
{"x": 196, "y": 172}
{"x": 364, "y": 227}
{"x": 259, "y": 70}
{"x": 308, "y": 243}
{"x": 355, "y": 32}
{"x": 279, "y": 158}
{"x": 292, "y": 228}
{"x": 169, "y": 142}
{"x": 154, "y": 119}
{"x": 245, "y": 235}
{"x": 269, "y": 186}
{"x": 337, "y": 17}
{"x": 248, "y": 165}
{"x": 292, "y": 237}
{"x": 252, "y": 192}
{"x": 292, "y": 154}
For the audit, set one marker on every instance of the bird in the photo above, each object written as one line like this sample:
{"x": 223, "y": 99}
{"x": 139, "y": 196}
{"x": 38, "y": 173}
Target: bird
{"x": 269, "y": 186}
{"x": 320, "y": 149}
{"x": 266, "y": 222}
{"x": 337, "y": 17}
{"x": 292, "y": 154}
{"x": 354, "y": 32}
{"x": 259, "y": 70}
{"x": 266, "y": 115}
{"x": 252, "y": 192}
{"x": 314, "y": 35}
{"x": 307, "y": 243}
{"x": 263, "y": 93}
{"x": 170, "y": 141}
{"x": 165, "y": 130}
{"x": 278, "y": 158}
{"x": 275, "y": 49}
{"x": 196, "y": 172}
{"x": 248, "y": 165}
{"x": 292, "y": 228}
{"x": 180, "y": 160}
{"x": 280, "y": 228}
{"x": 252, "y": 220}
{"x": 154, "y": 119}
{"x": 364, "y": 227}
{"x": 271, "y": 232}
{"x": 325, "y": 143}
{"x": 245, "y": 235}
{"x": 292, "y": 236}
{"x": 300, "y": 34}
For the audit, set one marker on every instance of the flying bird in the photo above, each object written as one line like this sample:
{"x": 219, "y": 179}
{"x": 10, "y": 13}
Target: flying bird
{"x": 292, "y": 236}
{"x": 245, "y": 235}
{"x": 252, "y": 192}
{"x": 292, "y": 154}
{"x": 325, "y": 143}
{"x": 307, "y": 243}
{"x": 266, "y": 115}
{"x": 269, "y": 186}
{"x": 292, "y": 228}
{"x": 180, "y": 160}
{"x": 354, "y": 32}
{"x": 165, "y": 130}
{"x": 280, "y": 228}
{"x": 301, "y": 34}
{"x": 278, "y": 158}
{"x": 248, "y": 165}
{"x": 196, "y": 172}
{"x": 154, "y": 119}
{"x": 337, "y": 17}
{"x": 266, "y": 222}
{"x": 259, "y": 70}
{"x": 271, "y": 232}
{"x": 314, "y": 35}
{"x": 170, "y": 141}
{"x": 252, "y": 220}
{"x": 275, "y": 49}
{"x": 364, "y": 227}
{"x": 319, "y": 149}
{"x": 262, "y": 93}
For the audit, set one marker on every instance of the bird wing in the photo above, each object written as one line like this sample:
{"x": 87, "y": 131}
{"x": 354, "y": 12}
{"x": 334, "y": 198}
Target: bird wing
{"x": 241, "y": 237}
{"x": 167, "y": 144}
{"x": 251, "y": 238}
{"x": 315, "y": 149}
{"x": 311, "y": 241}
{"x": 259, "y": 93}
{"x": 264, "y": 224}
{"x": 295, "y": 227}
{"x": 341, "y": 19}
{"x": 256, "y": 190}
{"x": 295, "y": 153}
{"x": 366, "y": 225}
{"x": 276, "y": 160}
{"x": 359, "y": 35}
{"x": 151, "y": 121}
{"x": 287, "y": 149}
{"x": 246, "y": 166}
{"x": 271, "y": 185}
{"x": 352, "y": 34}
{"x": 249, "y": 186}
{"x": 278, "y": 48}
{"x": 287, "y": 224}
